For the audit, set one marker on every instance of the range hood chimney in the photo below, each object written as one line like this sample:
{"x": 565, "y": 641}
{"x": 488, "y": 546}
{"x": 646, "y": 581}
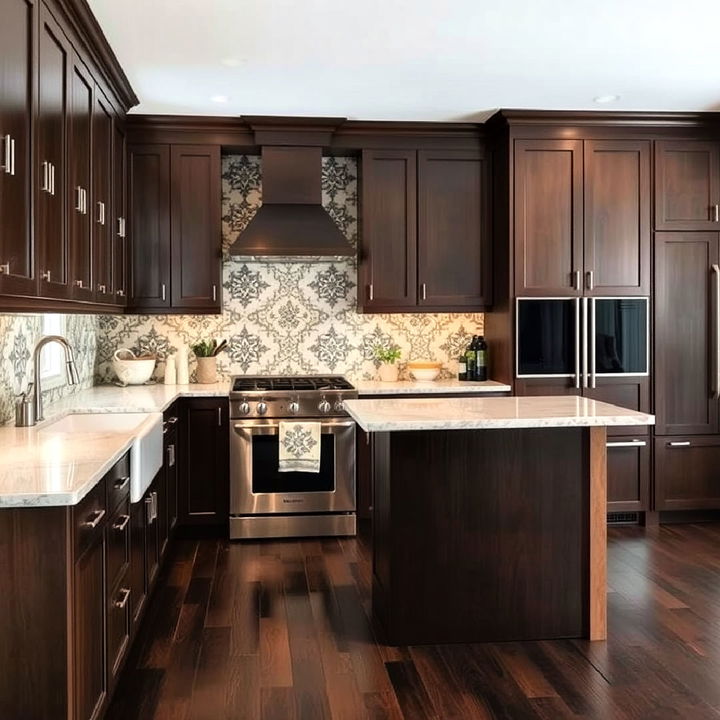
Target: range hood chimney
{"x": 291, "y": 220}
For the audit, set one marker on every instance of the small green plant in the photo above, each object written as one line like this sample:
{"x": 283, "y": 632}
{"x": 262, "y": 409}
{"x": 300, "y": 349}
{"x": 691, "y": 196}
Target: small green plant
{"x": 387, "y": 354}
{"x": 207, "y": 348}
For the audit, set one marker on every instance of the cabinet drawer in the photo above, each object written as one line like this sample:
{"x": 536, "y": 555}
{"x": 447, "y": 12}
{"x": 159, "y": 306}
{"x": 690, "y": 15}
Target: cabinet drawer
{"x": 687, "y": 473}
{"x": 88, "y": 518}
{"x": 118, "y": 543}
{"x": 118, "y": 482}
{"x": 118, "y": 626}
{"x": 628, "y": 474}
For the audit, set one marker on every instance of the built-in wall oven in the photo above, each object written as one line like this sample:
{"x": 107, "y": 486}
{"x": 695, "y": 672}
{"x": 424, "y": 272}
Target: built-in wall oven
{"x": 582, "y": 338}
{"x": 265, "y": 502}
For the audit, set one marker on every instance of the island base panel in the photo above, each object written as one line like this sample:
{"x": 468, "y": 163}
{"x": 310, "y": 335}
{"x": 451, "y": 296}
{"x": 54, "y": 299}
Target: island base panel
{"x": 485, "y": 535}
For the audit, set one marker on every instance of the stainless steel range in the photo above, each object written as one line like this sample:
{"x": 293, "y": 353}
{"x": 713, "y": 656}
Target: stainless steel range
{"x": 265, "y": 502}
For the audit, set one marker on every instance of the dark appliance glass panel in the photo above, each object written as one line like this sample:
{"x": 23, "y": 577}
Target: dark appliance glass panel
{"x": 621, "y": 335}
{"x": 546, "y": 337}
{"x": 267, "y": 479}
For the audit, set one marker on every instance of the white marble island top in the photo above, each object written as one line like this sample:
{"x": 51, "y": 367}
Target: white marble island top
{"x": 434, "y": 387}
{"x": 388, "y": 415}
{"x": 39, "y": 467}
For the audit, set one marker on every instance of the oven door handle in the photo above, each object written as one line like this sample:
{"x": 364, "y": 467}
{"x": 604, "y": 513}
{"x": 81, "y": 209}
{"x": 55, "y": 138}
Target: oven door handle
{"x": 270, "y": 426}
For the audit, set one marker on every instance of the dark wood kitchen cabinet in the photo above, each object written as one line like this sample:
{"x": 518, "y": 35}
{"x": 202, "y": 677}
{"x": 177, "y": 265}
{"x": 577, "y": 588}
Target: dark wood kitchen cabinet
{"x": 51, "y": 191}
{"x": 102, "y": 209}
{"x": 582, "y": 217}
{"x": 388, "y": 200}
{"x": 204, "y": 477}
{"x": 195, "y": 236}
{"x": 687, "y": 185}
{"x": 628, "y": 473}
{"x": 119, "y": 216}
{"x": 17, "y": 40}
{"x": 79, "y": 199}
{"x": 175, "y": 228}
{"x": 685, "y": 345}
{"x": 425, "y": 231}
{"x": 616, "y": 239}
{"x": 454, "y": 268}
{"x": 548, "y": 217}
{"x": 686, "y": 472}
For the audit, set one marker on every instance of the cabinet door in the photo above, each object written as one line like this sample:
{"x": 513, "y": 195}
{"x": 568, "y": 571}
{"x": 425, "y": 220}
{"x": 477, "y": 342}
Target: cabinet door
{"x": 118, "y": 628}
{"x": 51, "y": 192}
{"x": 453, "y": 238}
{"x": 17, "y": 43}
{"x": 195, "y": 227}
{"x": 152, "y": 547}
{"x": 548, "y": 217}
{"x": 388, "y": 255}
{"x": 138, "y": 574}
{"x": 80, "y": 209}
{"x": 161, "y": 508}
{"x": 628, "y": 474}
{"x": 149, "y": 212}
{"x": 171, "y": 477}
{"x": 119, "y": 217}
{"x": 686, "y": 473}
{"x": 102, "y": 137}
{"x": 617, "y": 217}
{"x": 89, "y": 630}
{"x": 687, "y": 185}
{"x": 205, "y": 483}
{"x": 685, "y": 342}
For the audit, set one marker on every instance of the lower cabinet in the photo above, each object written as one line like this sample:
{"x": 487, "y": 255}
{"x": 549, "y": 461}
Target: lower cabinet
{"x": 687, "y": 472}
{"x": 628, "y": 474}
{"x": 204, "y": 484}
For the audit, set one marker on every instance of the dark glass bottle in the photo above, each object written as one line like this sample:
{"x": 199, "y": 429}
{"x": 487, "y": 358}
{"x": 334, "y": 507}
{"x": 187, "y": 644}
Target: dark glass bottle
{"x": 462, "y": 368}
{"x": 471, "y": 359}
{"x": 481, "y": 354}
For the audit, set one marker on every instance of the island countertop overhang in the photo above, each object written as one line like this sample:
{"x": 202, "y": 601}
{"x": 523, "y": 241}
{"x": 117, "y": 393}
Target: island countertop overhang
{"x": 397, "y": 414}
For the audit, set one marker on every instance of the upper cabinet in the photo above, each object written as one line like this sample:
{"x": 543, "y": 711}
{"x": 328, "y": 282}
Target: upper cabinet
{"x": 102, "y": 225}
{"x": 548, "y": 217}
{"x": 17, "y": 43}
{"x": 119, "y": 218}
{"x": 175, "y": 228}
{"x": 195, "y": 235}
{"x": 582, "y": 217}
{"x": 687, "y": 185}
{"x": 425, "y": 236}
{"x": 51, "y": 158}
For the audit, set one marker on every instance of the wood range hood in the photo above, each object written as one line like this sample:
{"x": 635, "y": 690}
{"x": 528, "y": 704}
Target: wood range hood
{"x": 291, "y": 220}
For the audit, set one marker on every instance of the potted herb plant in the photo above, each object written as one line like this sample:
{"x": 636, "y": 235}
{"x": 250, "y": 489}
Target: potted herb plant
{"x": 388, "y": 357}
{"x": 206, "y": 352}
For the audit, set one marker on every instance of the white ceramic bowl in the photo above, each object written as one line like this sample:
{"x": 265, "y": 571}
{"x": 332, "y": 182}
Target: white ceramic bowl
{"x": 425, "y": 374}
{"x": 131, "y": 370}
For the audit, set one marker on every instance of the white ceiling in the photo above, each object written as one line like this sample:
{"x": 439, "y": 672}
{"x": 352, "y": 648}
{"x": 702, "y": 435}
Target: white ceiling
{"x": 415, "y": 59}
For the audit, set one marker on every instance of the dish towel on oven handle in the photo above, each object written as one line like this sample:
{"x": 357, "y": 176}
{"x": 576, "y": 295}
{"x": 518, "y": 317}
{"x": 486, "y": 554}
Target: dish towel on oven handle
{"x": 299, "y": 447}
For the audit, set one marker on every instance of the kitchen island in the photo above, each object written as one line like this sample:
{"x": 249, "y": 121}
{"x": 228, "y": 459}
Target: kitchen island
{"x": 489, "y": 516}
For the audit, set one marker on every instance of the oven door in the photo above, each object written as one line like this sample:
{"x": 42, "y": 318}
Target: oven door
{"x": 258, "y": 488}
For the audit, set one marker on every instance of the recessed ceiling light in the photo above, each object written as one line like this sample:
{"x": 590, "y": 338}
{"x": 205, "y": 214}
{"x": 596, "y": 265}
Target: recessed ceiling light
{"x": 219, "y": 98}
{"x": 606, "y": 98}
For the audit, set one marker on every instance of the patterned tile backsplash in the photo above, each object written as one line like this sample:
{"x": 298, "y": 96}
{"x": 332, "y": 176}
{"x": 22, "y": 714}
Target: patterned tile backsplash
{"x": 18, "y": 335}
{"x": 278, "y": 317}
{"x": 290, "y": 317}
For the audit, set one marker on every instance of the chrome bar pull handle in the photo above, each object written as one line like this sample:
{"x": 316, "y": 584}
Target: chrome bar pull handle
{"x": 593, "y": 353}
{"x": 122, "y": 523}
{"x": 424, "y": 291}
{"x": 685, "y": 443}
{"x": 715, "y": 389}
{"x": 7, "y": 159}
{"x": 214, "y": 294}
{"x": 5, "y": 269}
{"x": 626, "y": 444}
{"x": 163, "y": 292}
{"x": 219, "y": 417}
{"x": 371, "y": 293}
{"x": 590, "y": 281}
{"x": 97, "y": 516}
{"x": 45, "y": 187}
{"x": 123, "y": 598}
{"x": 585, "y": 342}
{"x": 12, "y": 156}
{"x": 52, "y": 179}
{"x": 578, "y": 341}
{"x": 78, "y": 201}
{"x": 45, "y": 275}
{"x": 716, "y": 213}
{"x": 576, "y": 282}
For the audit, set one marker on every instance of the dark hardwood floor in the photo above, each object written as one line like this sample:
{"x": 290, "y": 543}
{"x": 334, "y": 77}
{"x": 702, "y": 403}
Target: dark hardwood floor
{"x": 281, "y": 631}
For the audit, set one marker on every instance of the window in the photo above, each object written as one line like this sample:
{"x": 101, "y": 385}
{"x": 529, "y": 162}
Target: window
{"x": 52, "y": 358}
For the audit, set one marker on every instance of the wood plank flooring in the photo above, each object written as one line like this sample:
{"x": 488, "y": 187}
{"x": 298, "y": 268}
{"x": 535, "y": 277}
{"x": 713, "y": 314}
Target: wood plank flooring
{"x": 281, "y": 631}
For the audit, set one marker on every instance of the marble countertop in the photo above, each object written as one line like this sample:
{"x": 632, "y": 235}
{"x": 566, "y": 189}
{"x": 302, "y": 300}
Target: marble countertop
{"x": 387, "y": 415}
{"x": 413, "y": 387}
{"x": 39, "y": 467}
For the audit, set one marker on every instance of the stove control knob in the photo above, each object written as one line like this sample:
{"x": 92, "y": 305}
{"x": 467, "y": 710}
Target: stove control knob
{"x": 261, "y": 407}
{"x": 339, "y": 406}
{"x": 324, "y": 406}
{"x": 294, "y": 407}
{"x": 244, "y": 407}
